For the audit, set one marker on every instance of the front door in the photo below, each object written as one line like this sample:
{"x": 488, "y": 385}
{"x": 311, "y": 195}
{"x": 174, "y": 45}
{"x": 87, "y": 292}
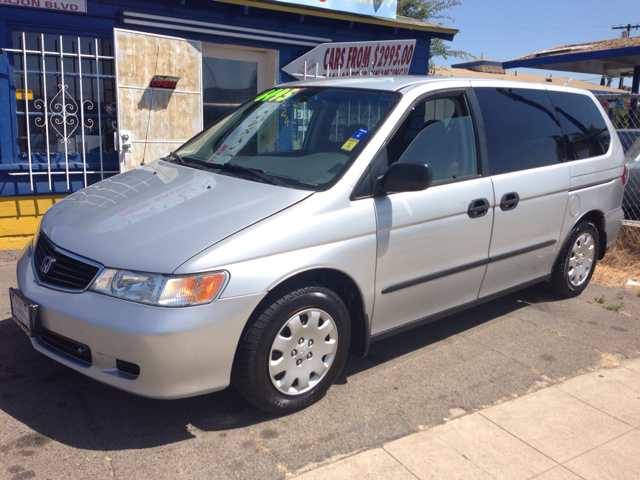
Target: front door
{"x": 154, "y": 121}
{"x": 433, "y": 245}
{"x": 232, "y": 75}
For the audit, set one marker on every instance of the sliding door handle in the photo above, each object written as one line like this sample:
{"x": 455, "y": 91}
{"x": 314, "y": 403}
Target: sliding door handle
{"x": 509, "y": 201}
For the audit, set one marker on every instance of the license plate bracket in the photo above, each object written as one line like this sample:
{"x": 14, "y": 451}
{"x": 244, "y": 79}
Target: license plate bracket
{"x": 24, "y": 312}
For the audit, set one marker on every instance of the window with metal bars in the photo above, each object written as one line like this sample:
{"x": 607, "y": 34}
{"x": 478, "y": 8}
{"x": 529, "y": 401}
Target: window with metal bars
{"x": 66, "y": 111}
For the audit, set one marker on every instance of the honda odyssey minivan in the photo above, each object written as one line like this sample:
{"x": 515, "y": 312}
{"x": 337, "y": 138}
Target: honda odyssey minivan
{"x": 315, "y": 219}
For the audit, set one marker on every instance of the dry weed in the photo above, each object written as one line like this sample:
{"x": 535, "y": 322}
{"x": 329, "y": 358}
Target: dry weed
{"x": 622, "y": 261}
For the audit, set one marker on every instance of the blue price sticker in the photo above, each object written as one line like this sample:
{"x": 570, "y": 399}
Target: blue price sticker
{"x": 359, "y": 134}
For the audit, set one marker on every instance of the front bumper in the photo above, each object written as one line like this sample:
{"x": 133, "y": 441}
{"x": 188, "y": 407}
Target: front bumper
{"x": 181, "y": 352}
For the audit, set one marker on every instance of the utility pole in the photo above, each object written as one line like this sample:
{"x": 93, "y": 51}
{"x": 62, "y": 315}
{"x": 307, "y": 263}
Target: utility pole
{"x": 628, "y": 28}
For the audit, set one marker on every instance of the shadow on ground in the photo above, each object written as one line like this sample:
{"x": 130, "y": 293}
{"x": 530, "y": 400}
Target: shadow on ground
{"x": 65, "y": 406}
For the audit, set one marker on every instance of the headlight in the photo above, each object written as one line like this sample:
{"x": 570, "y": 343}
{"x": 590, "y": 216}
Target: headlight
{"x": 164, "y": 290}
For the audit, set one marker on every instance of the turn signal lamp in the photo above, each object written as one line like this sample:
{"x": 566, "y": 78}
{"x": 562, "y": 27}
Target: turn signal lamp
{"x": 191, "y": 290}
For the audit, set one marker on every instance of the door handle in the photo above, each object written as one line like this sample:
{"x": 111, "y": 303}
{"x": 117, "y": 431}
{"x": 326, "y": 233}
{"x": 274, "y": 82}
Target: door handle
{"x": 509, "y": 201}
{"x": 478, "y": 208}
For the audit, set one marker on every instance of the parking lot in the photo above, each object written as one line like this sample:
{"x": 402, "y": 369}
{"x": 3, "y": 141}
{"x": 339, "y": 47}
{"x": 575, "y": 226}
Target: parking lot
{"x": 56, "y": 423}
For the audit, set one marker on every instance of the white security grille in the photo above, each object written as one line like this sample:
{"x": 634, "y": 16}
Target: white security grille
{"x": 65, "y": 105}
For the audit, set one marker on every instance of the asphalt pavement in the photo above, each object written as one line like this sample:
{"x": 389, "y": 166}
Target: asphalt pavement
{"x": 56, "y": 423}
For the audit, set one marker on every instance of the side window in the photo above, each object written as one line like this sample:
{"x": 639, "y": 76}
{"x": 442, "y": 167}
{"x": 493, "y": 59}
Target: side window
{"x": 439, "y": 132}
{"x": 522, "y": 129}
{"x": 585, "y": 131}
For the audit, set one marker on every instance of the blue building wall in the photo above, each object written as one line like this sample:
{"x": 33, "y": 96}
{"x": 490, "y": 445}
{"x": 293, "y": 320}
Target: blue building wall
{"x": 103, "y": 16}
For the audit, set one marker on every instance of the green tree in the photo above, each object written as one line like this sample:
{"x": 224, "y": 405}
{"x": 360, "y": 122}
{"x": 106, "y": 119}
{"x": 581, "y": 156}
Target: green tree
{"x": 433, "y": 10}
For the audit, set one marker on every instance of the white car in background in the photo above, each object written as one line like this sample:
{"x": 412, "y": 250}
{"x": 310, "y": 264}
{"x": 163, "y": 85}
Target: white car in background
{"x": 630, "y": 140}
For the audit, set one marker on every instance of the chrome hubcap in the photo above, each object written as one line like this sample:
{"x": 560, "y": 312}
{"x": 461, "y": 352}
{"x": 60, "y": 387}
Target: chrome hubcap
{"x": 303, "y": 351}
{"x": 581, "y": 259}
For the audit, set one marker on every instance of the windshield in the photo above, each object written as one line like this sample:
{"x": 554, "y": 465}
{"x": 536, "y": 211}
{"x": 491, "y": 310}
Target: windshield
{"x": 299, "y": 137}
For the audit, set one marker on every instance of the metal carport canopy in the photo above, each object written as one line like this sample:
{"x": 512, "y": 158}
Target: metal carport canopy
{"x": 610, "y": 62}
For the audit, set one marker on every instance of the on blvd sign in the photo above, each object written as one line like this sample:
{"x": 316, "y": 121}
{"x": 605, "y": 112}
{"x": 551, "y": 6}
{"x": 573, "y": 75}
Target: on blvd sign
{"x": 377, "y": 8}
{"x": 353, "y": 59}
{"x": 65, "y": 6}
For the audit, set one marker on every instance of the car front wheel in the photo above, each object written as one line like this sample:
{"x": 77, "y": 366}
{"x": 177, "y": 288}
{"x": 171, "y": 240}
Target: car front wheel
{"x": 292, "y": 353}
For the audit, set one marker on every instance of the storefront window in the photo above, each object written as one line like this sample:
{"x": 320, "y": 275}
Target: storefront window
{"x": 65, "y": 100}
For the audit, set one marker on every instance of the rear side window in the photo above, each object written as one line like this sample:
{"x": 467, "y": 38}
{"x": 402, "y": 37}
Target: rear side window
{"x": 585, "y": 131}
{"x": 522, "y": 129}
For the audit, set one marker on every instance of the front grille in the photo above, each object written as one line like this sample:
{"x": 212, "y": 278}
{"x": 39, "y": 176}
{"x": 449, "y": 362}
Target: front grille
{"x": 65, "y": 271}
{"x": 72, "y": 348}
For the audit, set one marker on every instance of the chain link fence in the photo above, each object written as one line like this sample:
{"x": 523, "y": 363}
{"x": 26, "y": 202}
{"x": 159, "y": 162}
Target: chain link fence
{"x": 624, "y": 112}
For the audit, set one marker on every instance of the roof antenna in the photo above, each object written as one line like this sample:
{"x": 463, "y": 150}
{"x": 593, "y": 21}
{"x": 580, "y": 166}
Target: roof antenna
{"x": 153, "y": 93}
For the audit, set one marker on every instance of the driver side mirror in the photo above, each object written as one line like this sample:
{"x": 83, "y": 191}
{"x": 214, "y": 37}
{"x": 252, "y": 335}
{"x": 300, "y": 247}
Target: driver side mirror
{"x": 404, "y": 177}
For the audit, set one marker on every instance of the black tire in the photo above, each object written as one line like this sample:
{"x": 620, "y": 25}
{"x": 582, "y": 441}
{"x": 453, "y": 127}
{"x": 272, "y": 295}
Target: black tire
{"x": 254, "y": 372}
{"x": 571, "y": 273}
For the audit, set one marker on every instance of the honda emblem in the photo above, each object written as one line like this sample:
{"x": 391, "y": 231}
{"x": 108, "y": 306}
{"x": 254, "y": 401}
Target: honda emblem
{"x": 46, "y": 264}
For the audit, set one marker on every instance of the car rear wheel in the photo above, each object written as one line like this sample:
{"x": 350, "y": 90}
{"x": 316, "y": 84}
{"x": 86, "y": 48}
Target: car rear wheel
{"x": 577, "y": 261}
{"x": 292, "y": 353}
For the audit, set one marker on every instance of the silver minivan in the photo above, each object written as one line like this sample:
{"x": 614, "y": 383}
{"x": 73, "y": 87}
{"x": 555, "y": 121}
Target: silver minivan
{"x": 314, "y": 219}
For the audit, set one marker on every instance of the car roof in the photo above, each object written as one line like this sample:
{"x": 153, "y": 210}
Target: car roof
{"x": 388, "y": 83}
{"x": 396, "y": 83}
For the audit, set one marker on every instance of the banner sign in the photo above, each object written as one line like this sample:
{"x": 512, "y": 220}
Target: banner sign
{"x": 377, "y": 8}
{"x": 354, "y": 59}
{"x": 65, "y": 6}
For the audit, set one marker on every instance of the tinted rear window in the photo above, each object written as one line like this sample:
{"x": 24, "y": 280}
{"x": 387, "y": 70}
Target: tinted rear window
{"x": 521, "y": 127}
{"x": 585, "y": 130}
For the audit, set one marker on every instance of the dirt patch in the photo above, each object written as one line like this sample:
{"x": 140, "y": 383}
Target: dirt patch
{"x": 607, "y": 360}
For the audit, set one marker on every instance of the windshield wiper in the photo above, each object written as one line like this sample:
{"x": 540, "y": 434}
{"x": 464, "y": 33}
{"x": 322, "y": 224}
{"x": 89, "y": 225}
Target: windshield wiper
{"x": 182, "y": 161}
{"x": 260, "y": 175}
{"x": 179, "y": 159}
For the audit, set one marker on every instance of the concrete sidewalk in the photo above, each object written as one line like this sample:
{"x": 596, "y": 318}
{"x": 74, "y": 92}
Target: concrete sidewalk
{"x": 587, "y": 427}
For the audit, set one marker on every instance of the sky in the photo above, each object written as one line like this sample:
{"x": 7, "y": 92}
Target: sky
{"x": 507, "y": 29}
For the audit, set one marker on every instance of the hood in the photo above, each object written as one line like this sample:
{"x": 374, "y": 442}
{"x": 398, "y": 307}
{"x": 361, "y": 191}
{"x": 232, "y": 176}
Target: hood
{"x": 156, "y": 217}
